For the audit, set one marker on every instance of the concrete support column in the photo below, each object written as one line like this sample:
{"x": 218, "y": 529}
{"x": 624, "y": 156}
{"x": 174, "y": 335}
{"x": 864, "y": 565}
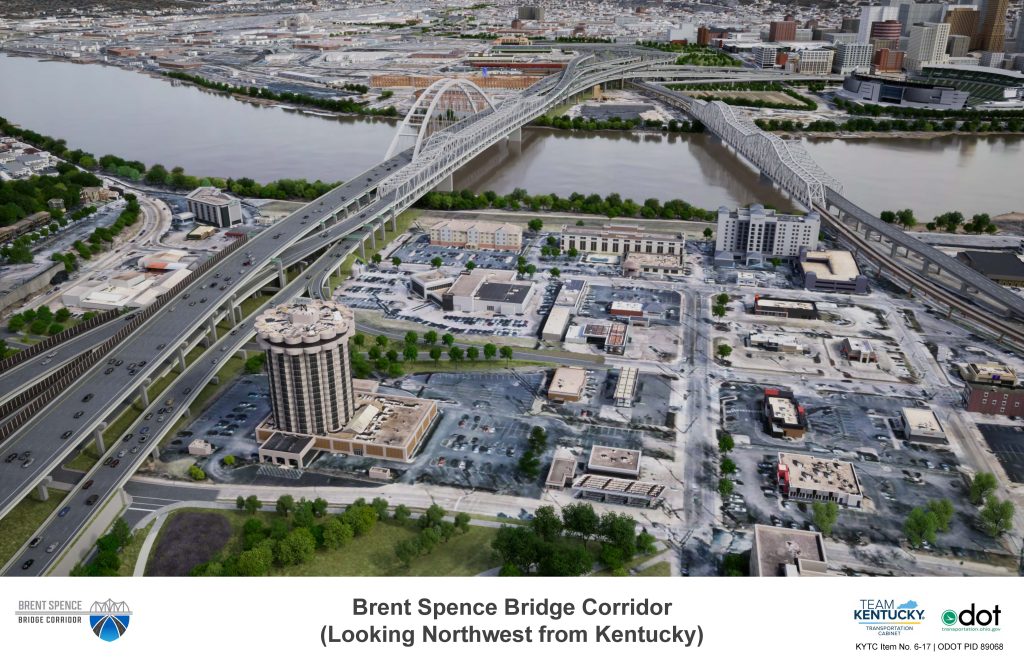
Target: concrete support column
{"x": 447, "y": 185}
{"x": 144, "y": 392}
{"x": 892, "y": 252}
{"x": 383, "y": 231}
{"x": 516, "y": 136}
{"x": 97, "y": 438}
{"x": 394, "y": 221}
{"x": 211, "y": 331}
{"x": 238, "y": 313}
{"x": 243, "y": 353}
{"x": 282, "y": 277}
{"x": 362, "y": 252}
{"x": 181, "y": 359}
{"x": 925, "y": 265}
{"x": 155, "y": 453}
{"x": 42, "y": 494}
{"x": 373, "y": 240}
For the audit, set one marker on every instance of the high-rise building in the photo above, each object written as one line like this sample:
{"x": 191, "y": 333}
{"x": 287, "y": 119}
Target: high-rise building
{"x": 962, "y": 19}
{"x": 703, "y": 35}
{"x": 531, "y": 13}
{"x": 957, "y": 46}
{"x": 871, "y": 14}
{"x": 782, "y": 31}
{"x": 815, "y": 61}
{"x": 989, "y": 59}
{"x": 764, "y": 56}
{"x": 306, "y": 344}
{"x": 887, "y": 62}
{"x": 852, "y": 57}
{"x": 992, "y": 28}
{"x": 919, "y": 12}
{"x": 757, "y": 234}
{"x": 886, "y": 34}
{"x": 927, "y": 45}
{"x": 850, "y": 25}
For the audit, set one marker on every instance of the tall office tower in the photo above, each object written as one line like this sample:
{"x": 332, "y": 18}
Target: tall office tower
{"x": 306, "y": 344}
{"x": 850, "y": 25}
{"x": 760, "y": 233}
{"x": 869, "y": 15}
{"x": 1018, "y": 46}
{"x": 531, "y": 13}
{"x": 962, "y": 19}
{"x": 927, "y": 45}
{"x": 782, "y": 31}
{"x": 957, "y": 46}
{"x": 886, "y": 34}
{"x": 852, "y": 57}
{"x": 817, "y": 62}
{"x": 992, "y": 28}
{"x": 886, "y": 61}
{"x": 919, "y": 12}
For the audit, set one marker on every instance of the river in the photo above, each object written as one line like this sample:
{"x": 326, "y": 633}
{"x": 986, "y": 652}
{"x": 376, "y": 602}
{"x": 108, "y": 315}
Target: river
{"x": 109, "y": 110}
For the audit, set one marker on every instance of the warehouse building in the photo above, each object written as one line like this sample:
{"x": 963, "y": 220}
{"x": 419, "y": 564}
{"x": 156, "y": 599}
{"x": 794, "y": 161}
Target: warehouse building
{"x": 783, "y": 551}
{"x": 486, "y": 290}
{"x": 921, "y": 425}
{"x": 831, "y": 271}
{"x": 809, "y": 479}
{"x": 614, "y": 462}
{"x": 567, "y": 384}
{"x": 785, "y": 308}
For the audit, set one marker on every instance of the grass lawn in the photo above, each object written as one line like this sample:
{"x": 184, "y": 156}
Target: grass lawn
{"x": 88, "y": 457}
{"x": 253, "y": 303}
{"x": 131, "y": 552}
{"x": 23, "y": 520}
{"x": 447, "y": 366}
{"x": 373, "y": 555}
{"x": 661, "y": 569}
{"x": 85, "y": 460}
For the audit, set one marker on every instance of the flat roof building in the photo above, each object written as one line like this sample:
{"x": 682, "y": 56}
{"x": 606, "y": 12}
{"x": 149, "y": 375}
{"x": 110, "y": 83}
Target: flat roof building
{"x": 199, "y": 447}
{"x": 201, "y": 232}
{"x": 625, "y": 386}
{"x": 777, "y": 343}
{"x": 753, "y": 235}
{"x": 831, "y": 271}
{"x": 477, "y": 235}
{"x": 557, "y": 323}
{"x": 782, "y": 551}
{"x": 562, "y": 471}
{"x": 1003, "y": 267}
{"x": 485, "y": 290}
{"x": 988, "y": 373}
{"x": 621, "y": 239}
{"x": 614, "y": 490}
{"x": 783, "y": 415}
{"x": 785, "y": 308}
{"x": 430, "y": 285}
{"x": 811, "y": 479}
{"x": 994, "y": 399}
{"x": 858, "y": 350}
{"x": 567, "y": 384}
{"x": 214, "y": 207}
{"x": 626, "y": 309}
{"x": 614, "y": 461}
{"x": 921, "y": 425}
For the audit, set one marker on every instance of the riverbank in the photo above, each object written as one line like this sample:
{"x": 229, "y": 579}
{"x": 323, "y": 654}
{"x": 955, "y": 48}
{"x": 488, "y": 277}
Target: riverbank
{"x": 914, "y": 135}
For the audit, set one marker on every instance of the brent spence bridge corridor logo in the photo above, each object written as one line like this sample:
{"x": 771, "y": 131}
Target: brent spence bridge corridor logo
{"x": 887, "y": 616}
{"x": 108, "y": 619}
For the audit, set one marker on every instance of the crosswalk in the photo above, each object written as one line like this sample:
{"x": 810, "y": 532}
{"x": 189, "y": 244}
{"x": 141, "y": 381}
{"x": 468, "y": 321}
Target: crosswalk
{"x": 148, "y": 504}
{"x": 277, "y": 472}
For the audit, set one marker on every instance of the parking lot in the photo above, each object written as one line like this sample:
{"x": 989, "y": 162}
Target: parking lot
{"x": 419, "y": 251}
{"x": 1007, "y": 443}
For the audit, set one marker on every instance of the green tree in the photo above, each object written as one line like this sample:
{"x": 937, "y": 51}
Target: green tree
{"x": 462, "y": 522}
{"x": 448, "y": 340}
{"x": 920, "y": 526}
{"x": 725, "y": 487}
{"x": 383, "y": 341}
{"x": 434, "y": 514}
{"x": 728, "y": 465}
{"x": 725, "y": 442}
{"x": 472, "y": 353}
{"x": 708, "y": 233}
{"x": 240, "y": 503}
{"x": 506, "y": 354}
{"x": 196, "y": 473}
{"x": 722, "y": 299}
{"x": 407, "y": 551}
{"x": 718, "y": 311}
{"x": 15, "y": 324}
{"x": 396, "y": 261}
{"x": 580, "y": 520}
{"x": 252, "y": 504}
{"x": 402, "y": 514}
{"x": 435, "y": 354}
{"x": 410, "y": 352}
{"x": 62, "y": 315}
{"x": 888, "y": 216}
{"x": 54, "y": 329}
{"x": 285, "y": 505}
{"x": 336, "y": 533}
{"x": 996, "y": 516}
{"x": 470, "y": 265}
{"x": 380, "y": 505}
{"x": 490, "y": 351}
{"x": 825, "y": 515}
{"x": 535, "y": 225}
{"x": 411, "y": 338}
{"x": 255, "y": 562}
{"x": 255, "y": 363}
{"x": 359, "y": 339}
{"x": 376, "y": 258}
{"x": 297, "y": 547}
{"x": 436, "y": 262}
{"x": 319, "y": 507}
{"x": 546, "y": 524}
{"x": 455, "y": 354}
{"x": 430, "y": 337}
{"x": 555, "y": 272}
{"x": 723, "y": 350}
{"x": 943, "y": 510}
{"x": 983, "y": 485}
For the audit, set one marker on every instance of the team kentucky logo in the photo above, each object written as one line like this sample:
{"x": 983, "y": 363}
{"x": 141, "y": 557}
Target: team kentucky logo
{"x": 109, "y": 619}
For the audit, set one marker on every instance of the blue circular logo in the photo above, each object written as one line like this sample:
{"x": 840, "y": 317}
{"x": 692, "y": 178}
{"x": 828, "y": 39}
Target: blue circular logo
{"x": 109, "y": 619}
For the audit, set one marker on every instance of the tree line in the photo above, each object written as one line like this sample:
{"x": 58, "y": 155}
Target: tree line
{"x": 947, "y": 221}
{"x": 21, "y": 198}
{"x": 323, "y": 103}
{"x": 994, "y": 517}
{"x": 694, "y": 54}
{"x": 391, "y": 358}
{"x": 611, "y": 205}
{"x": 568, "y": 544}
{"x": 974, "y": 114}
{"x": 566, "y": 123}
{"x": 869, "y": 124}
{"x": 804, "y": 103}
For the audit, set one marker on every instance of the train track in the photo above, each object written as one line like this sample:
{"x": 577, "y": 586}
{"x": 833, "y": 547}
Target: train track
{"x": 982, "y": 319}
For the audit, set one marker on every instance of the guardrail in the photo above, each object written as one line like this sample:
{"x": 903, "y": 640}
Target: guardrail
{"x": 31, "y": 401}
{"x": 47, "y": 343}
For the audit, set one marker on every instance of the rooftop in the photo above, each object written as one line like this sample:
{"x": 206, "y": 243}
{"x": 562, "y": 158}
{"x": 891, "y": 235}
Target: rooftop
{"x": 785, "y": 303}
{"x": 994, "y": 264}
{"x": 504, "y": 292}
{"x": 287, "y": 443}
{"x": 830, "y": 265}
{"x": 461, "y": 225}
{"x": 568, "y": 380}
{"x": 611, "y": 459}
{"x": 922, "y": 421}
{"x": 304, "y": 321}
{"x": 782, "y": 551}
{"x": 210, "y": 195}
{"x": 808, "y": 473}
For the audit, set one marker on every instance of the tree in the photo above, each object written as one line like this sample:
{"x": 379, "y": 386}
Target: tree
{"x": 411, "y": 338}
{"x": 380, "y": 505}
{"x": 708, "y": 233}
{"x": 722, "y": 299}
{"x": 535, "y": 225}
{"x": 573, "y": 252}
{"x": 555, "y": 272}
{"x": 455, "y": 354}
{"x": 359, "y": 339}
{"x": 905, "y": 217}
{"x": 462, "y": 522}
{"x": 430, "y": 337}
{"x": 490, "y": 350}
{"x": 518, "y": 547}
{"x": 472, "y": 353}
{"x": 297, "y": 547}
{"x": 255, "y": 363}
{"x": 396, "y": 261}
{"x": 62, "y": 315}
{"x": 996, "y": 516}
{"x": 943, "y": 510}
{"x": 725, "y": 443}
{"x": 402, "y": 514}
{"x": 230, "y": 460}
{"x": 196, "y": 473}
{"x": 410, "y": 352}
{"x": 580, "y": 519}
{"x": 506, "y": 354}
{"x": 725, "y": 487}
{"x": 436, "y": 262}
{"x": 888, "y": 216}
{"x": 376, "y": 258}
{"x": 983, "y": 485}
{"x": 122, "y": 532}
{"x": 546, "y": 524}
{"x": 470, "y": 265}
{"x": 718, "y": 311}
{"x": 285, "y": 505}
{"x": 255, "y": 562}
{"x": 448, "y": 340}
{"x": 921, "y": 526}
{"x": 435, "y": 354}
{"x": 38, "y": 326}
{"x": 383, "y": 341}
{"x": 723, "y": 350}
{"x": 252, "y": 504}
{"x": 361, "y": 517}
{"x": 407, "y": 551}
{"x": 54, "y": 329}
{"x": 434, "y": 514}
{"x": 825, "y": 515}
{"x": 319, "y": 507}
{"x": 336, "y": 533}
{"x": 15, "y": 324}
{"x": 303, "y": 514}
{"x": 240, "y": 502}
{"x": 728, "y": 465}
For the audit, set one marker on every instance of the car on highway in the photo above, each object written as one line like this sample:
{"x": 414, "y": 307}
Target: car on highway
{"x": 87, "y": 485}
{"x": 115, "y": 463}
{"x": 63, "y": 512}
{"x": 28, "y": 563}
{"x": 92, "y": 499}
{"x": 134, "y": 450}
{"x": 145, "y": 429}
{"x": 148, "y": 417}
{"x": 35, "y": 542}
{"x": 121, "y": 453}
{"x": 28, "y": 462}
{"x": 110, "y": 369}
{"x": 11, "y": 458}
{"x": 67, "y": 434}
{"x": 78, "y": 415}
{"x": 108, "y": 461}
{"x": 87, "y": 398}
{"x": 53, "y": 546}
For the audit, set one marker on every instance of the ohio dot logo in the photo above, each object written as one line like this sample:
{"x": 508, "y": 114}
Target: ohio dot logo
{"x": 949, "y": 617}
{"x": 109, "y": 619}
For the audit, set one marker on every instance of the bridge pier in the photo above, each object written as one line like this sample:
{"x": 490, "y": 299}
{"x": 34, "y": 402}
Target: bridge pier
{"x": 211, "y": 332}
{"x": 97, "y": 438}
{"x": 892, "y": 252}
{"x": 447, "y": 185}
{"x": 282, "y": 276}
{"x": 155, "y": 453}
{"x": 394, "y": 222}
{"x": 181, "y": 358}
{"x": 362, "y": 250}
{"x": 42, "y": 492}
{"x": 144, "y": 392}
{"x": 516, "y": 136}
{"x": 373, "y": 240}
{"x": 383, "y": 231}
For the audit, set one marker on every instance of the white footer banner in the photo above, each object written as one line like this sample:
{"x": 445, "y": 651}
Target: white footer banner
{"x": 507, "y": 619}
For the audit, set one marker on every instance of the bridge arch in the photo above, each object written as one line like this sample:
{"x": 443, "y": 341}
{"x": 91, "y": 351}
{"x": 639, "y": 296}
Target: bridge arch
{"x": 444, "y": 103}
